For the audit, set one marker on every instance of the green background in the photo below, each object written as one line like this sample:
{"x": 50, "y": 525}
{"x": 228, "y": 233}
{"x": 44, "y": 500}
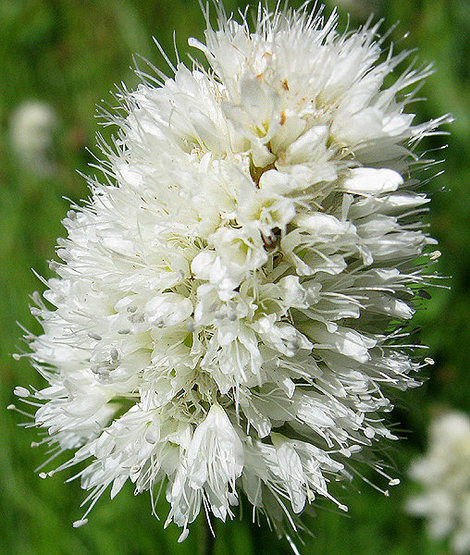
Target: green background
{"x": 70, "y": 53}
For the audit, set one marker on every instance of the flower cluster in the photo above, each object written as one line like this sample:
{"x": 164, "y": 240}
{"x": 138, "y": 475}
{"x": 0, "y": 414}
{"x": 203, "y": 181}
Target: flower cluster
{"x": 31, "y": 133}
{"x": 228, "y": 313}
{"x": 444, "y": 476}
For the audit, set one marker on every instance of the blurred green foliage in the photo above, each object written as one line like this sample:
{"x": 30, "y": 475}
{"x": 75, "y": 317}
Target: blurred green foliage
{"x": 70, "y": 54}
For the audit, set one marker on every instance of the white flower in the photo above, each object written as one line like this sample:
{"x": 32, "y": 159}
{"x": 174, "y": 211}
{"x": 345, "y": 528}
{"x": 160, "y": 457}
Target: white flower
{"x": 32, "y": 127}
{"x": 444, "y": 476}
{"x": 228, "y": 313}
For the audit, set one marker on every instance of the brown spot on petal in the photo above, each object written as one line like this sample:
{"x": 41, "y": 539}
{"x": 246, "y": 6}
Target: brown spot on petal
{"x": 285, "y": 85}
{"x": 283, "y": 118}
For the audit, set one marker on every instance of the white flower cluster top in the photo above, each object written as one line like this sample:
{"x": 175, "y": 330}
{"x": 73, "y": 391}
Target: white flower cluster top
{"x": 228, "y": 314}
{"x": 444, "y": 476}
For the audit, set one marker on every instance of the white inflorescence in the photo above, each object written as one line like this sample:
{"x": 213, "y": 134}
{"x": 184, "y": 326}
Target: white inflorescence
{"x": 228, "y": 316}
{"x": 444, "y": 475}
{"x": 31, "y": 133}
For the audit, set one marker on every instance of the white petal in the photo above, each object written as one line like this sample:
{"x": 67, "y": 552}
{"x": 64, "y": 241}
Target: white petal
{"x": 372, "y": 181}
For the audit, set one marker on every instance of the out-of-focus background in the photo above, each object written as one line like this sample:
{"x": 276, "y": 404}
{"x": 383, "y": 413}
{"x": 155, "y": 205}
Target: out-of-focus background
{"x": 61, "y": 58}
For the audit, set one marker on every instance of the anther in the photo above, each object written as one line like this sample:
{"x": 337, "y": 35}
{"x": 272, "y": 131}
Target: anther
{"x": 21, "y": 391}
{"x": 54, "y": 266}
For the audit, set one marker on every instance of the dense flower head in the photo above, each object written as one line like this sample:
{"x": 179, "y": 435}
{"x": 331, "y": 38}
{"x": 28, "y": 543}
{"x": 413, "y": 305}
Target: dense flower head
{"x": 443, "y": 474}
{"x": 31, "y": 132}
{"x": 228, "y": 313}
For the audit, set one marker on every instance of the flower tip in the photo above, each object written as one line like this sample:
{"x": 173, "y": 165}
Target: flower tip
{"x": 21, "y": 391}
{"x": 80, "y": 522}
{"x": 183, "y": 535}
